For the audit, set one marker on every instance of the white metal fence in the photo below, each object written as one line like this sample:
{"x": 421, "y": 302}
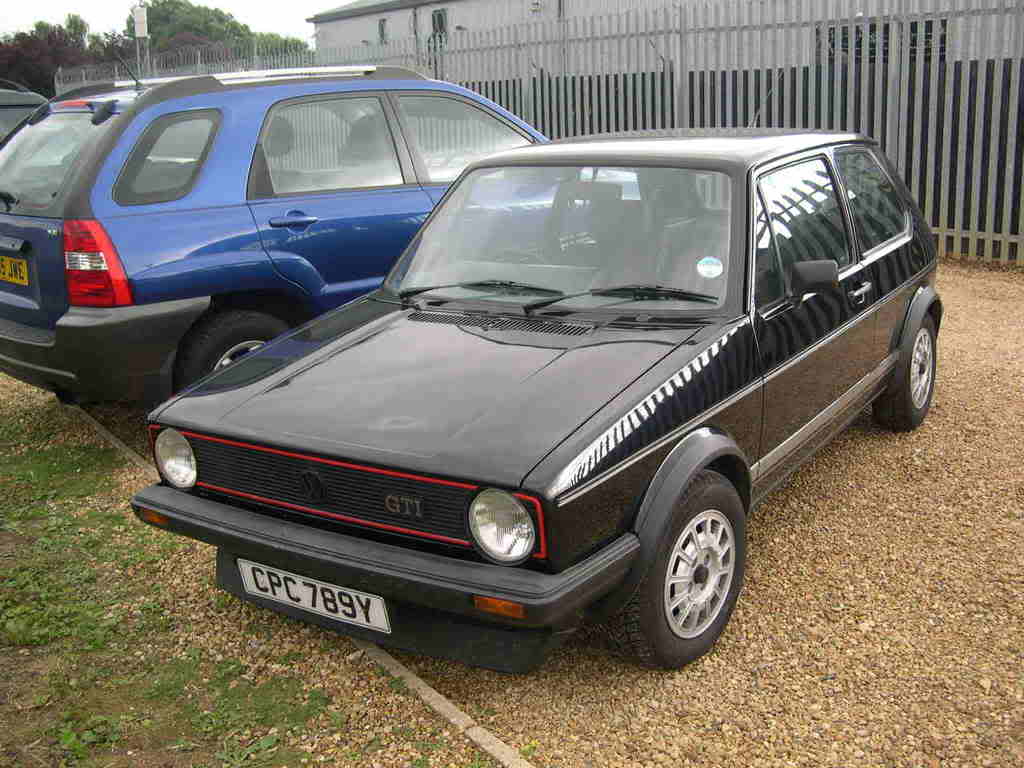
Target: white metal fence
{"x": 940, "y": 83}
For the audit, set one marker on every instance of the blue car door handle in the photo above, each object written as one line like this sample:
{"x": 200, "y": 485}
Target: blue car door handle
{"x": 293, "y": 221}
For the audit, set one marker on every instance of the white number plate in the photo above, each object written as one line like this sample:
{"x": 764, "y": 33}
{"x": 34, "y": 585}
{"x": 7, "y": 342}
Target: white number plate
{"x": 328, "y": 600}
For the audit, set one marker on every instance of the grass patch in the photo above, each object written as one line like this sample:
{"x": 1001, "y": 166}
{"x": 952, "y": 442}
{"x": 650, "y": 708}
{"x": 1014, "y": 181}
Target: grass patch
{"x": 83, "y": 664}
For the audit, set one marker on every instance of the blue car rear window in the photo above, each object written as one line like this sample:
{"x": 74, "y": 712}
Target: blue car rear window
{"x": 36, "y": 163}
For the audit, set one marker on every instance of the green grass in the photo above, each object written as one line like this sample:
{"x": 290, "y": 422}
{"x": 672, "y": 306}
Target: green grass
{"x": 99, "y": 667}
{"x": 96, "y": 682}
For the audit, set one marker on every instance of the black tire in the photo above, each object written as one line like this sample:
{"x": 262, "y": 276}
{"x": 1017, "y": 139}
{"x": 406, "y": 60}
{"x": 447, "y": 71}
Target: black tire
{"x": 896, "y": 409}
{"x": 641, "y": 631}
{"x": 215, "y": 334}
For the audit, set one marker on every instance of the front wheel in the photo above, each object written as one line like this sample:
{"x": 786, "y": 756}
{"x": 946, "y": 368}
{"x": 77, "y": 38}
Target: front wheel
{"x": 690, "y": 589}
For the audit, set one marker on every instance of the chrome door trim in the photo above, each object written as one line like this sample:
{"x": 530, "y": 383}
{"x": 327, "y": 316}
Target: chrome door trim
{"x": 776, "y": 456}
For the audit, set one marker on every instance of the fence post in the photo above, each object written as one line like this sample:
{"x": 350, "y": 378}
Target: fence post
{"x": 682, "y": 73}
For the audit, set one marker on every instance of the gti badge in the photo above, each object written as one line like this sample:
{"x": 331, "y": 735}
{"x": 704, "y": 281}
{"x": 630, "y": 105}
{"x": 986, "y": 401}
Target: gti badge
{"x": 313, "y": 486}
{"x": 410, "y": 507}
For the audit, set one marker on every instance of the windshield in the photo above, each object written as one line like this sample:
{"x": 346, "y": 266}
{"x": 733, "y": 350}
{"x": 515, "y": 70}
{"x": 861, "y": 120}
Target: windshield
{"x": 519, "y": 233}
{"x": 35, "y": 162}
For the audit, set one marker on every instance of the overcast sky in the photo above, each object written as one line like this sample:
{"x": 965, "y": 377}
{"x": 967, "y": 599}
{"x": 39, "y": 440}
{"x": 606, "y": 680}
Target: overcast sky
{"x": 287, "y": 18}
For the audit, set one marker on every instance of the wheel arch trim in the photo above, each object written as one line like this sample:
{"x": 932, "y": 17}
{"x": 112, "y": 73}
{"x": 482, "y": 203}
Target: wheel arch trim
{"x": 703, "y": 448}
{"x": 925, "y": 301}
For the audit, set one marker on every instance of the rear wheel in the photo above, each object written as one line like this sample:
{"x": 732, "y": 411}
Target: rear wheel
{"x": 903, "y": 407}
{"x": 220, "y": 339}
{"x": 691, "y": 587}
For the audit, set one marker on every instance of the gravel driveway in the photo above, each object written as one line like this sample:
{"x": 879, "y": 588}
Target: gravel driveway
{"x": 882, "y": 621}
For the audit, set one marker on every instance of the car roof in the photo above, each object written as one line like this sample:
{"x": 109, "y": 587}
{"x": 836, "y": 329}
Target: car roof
{"x": 730, "y": 150}
{"x": 164, "y": 88}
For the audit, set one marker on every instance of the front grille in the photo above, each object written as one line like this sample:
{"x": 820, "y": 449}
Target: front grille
{"x": 344, "y": 492}
{"x": 490, "y": 323}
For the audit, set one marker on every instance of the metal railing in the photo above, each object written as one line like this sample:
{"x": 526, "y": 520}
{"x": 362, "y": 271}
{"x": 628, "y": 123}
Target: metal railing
{"x": 940, "y": 83}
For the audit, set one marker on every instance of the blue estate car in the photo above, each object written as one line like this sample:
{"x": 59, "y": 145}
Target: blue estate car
{"x": 151, "y": 233}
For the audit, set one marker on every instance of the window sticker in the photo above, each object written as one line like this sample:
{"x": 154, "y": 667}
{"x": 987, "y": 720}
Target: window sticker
{"x": 709, "y": 267}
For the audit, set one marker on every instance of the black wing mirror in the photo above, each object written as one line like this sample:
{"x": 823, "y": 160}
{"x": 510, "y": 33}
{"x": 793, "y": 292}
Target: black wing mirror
{"x": 813, "y": 276}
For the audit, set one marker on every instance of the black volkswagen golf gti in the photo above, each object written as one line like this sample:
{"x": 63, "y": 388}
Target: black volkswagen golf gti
{"x": 591, "y": 363}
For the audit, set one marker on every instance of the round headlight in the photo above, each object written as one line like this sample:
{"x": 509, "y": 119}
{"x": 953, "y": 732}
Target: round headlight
{"x": 502, "y": 526}
{"x": 174, "y": 459}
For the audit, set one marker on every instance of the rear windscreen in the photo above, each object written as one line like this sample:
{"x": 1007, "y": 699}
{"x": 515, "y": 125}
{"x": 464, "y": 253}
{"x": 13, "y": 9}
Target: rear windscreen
{"x": 35, "y": 163}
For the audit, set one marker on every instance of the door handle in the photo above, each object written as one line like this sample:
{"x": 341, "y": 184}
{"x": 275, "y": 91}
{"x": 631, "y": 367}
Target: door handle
{"x": 291, "y": 221}
{"x": 860, "y": 295}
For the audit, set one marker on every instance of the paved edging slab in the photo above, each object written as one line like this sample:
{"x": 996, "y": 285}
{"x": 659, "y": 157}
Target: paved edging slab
{"x": 501, "y": 752}
{"x": 119, "y": 444}
{"x": 483, "y": 738}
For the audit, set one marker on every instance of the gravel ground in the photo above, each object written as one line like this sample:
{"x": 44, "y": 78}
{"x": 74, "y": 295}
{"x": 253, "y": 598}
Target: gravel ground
{"x": 881, "y": 623}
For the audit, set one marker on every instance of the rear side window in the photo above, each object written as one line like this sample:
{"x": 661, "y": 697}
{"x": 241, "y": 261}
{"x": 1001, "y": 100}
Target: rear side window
{"x": 451, "y": 134}
{"x": 167, "y": 158}
{"x": 805, "y": 215}
{"x": 877, "y": 210}
{"x": 323, "y": 145}
{"x": 36, "y": 163}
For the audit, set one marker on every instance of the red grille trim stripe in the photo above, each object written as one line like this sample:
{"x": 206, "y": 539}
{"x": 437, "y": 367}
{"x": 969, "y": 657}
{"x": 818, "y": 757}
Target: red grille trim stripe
{"x": 332, "y": 515}
{"x": 541, "y": 554}
{"x": 332, "y": 462}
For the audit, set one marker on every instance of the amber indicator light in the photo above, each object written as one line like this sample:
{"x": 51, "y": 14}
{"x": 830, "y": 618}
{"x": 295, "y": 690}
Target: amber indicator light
{"x": 153, "y": 518}
{"x": 500, "y": 607}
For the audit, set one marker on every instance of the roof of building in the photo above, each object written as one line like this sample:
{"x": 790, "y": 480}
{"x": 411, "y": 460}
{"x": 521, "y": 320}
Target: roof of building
{"x": 365, "y": 7}
{"x": 731, "y": 150}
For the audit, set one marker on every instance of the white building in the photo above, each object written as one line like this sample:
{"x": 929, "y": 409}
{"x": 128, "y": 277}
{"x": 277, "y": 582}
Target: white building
{"x": 376, "y": 22}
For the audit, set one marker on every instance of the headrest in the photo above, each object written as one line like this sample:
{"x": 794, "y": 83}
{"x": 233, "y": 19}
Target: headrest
{"x": 280, "y": 137}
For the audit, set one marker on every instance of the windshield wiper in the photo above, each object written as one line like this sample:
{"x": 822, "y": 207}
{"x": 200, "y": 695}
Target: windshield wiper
{"x": 639, "y": 292}
{"x": 8, "y": 199}
{"x": 410, "y": 292}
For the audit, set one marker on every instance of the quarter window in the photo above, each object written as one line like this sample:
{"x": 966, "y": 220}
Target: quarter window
{"x": 876, "y": 207}
{"x": 451, "y": 134}
{"x": 166, "y": 161}
{"x": 327, "y": 144}
{"x": 805, "y": 215}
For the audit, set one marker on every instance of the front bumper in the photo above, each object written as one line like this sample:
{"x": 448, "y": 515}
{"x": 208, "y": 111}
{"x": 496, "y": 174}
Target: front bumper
{"x": 429, "y": 597}
{"x": 120, "y": 353}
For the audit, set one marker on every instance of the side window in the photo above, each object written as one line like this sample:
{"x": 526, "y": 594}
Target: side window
{"x": 806, "y": 218}
{"x": 167, "y": 158}
{"x": 769, "y": 284}
{"x": 324, "y": 145}
{"x": 875, "y": 206}
{"x": 451, "y": 134}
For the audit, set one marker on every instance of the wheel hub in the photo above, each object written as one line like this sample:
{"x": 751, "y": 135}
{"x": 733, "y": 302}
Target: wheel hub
{"x": 700, "y": 571}
{"x": 237, "y": 352}
{"x": 921, "y": 368}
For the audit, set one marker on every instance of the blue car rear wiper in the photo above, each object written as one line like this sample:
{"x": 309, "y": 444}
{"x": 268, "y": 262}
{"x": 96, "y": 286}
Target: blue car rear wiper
{"x": 512, "y": 284}
{"x": 638, "y": 291}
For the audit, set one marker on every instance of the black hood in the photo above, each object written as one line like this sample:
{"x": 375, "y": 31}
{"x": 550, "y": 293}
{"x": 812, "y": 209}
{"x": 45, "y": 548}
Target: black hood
{"x": 478, "y": 397}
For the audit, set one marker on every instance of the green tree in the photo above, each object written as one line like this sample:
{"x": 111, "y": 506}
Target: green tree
{"x": 173, "y": 22}
{"x": 77, "y": 28}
